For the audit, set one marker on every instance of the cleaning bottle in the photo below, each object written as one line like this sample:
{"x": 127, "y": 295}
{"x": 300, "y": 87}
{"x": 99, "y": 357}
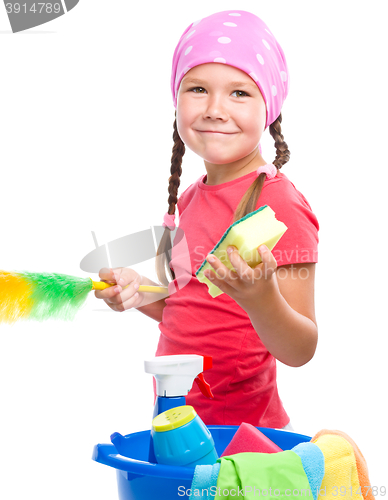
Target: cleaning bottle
{"x": 181, "y": 438}
{"x": 174, "y": 377}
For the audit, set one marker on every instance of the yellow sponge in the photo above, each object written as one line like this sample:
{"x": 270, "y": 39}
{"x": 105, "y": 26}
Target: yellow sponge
{"x": 247, "y": 234}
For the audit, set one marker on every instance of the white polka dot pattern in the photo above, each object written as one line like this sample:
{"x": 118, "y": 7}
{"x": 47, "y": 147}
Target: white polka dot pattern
{"x": 266, "y": 44}
{"x": 224, "y": 39}
{"x": 242, "y": 40}
{"x": 260, "y": 58}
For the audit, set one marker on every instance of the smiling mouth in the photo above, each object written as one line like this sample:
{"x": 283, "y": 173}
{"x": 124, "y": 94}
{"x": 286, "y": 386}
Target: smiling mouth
{"x": 215, "y": 133}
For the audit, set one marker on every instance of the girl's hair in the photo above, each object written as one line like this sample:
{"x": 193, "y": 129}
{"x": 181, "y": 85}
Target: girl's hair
{"x": 246, "y": 206}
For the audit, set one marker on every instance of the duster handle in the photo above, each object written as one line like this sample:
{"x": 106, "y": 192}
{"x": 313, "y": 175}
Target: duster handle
{"x": 101, "y": 285}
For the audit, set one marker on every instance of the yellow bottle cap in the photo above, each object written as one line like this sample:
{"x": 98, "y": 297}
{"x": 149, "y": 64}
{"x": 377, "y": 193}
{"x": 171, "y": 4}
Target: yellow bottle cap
{"x": 173, "y": 418}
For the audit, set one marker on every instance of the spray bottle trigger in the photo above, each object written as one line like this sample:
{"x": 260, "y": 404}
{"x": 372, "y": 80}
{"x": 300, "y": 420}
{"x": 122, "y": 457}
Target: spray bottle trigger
{"x": 204, "y": 386}
{"x": 207, "y": 362}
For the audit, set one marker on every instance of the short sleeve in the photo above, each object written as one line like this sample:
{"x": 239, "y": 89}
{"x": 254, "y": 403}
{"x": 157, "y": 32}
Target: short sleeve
{"x": 181, "y": 204}
{"x": 184, "y": 199}
{"x": 299, "y": 244}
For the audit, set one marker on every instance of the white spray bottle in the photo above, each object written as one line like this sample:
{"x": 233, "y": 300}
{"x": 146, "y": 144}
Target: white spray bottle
{"x": 174, "y": 377}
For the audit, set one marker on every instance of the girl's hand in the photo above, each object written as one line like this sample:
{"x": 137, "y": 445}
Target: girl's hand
{"x": 246, "y": 286}
{"x": 123, "y": 296}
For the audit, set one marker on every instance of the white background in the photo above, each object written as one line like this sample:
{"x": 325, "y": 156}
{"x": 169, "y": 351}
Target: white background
{"x": 86, "y": 139}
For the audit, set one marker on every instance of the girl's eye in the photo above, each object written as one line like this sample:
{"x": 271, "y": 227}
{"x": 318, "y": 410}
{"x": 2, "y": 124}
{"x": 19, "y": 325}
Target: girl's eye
{"x": 241, "y": 91}
{"x": 195, "y": 88}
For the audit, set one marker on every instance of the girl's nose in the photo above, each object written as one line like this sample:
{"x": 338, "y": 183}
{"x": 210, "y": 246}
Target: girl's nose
{"x": 215, "y": 108}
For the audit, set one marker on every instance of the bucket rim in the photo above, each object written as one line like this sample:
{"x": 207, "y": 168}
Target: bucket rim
{"x": 107, "y": 454}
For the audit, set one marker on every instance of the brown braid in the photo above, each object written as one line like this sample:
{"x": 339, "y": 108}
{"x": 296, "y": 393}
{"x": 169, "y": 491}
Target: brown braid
{"x": 165, "y": 245}
{"x": 249, "y": 201}
{"x": 247, "y": 204}
{"x": 282, "y": 152}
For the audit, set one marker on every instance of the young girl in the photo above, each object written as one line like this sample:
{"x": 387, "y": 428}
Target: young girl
{"x": 229, "y": 81}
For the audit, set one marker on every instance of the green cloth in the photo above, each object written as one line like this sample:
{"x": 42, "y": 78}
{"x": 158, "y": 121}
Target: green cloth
{"x": 259, "y": 476}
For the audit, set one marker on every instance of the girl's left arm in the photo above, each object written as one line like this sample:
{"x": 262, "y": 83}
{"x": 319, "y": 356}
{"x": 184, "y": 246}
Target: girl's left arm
{"x": 278, "y": 301}
{"x": 285, "y": 319}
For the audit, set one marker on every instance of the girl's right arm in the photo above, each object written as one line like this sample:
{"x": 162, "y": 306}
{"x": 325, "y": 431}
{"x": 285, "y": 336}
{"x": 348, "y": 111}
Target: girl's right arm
{"x": 124, "y": 296}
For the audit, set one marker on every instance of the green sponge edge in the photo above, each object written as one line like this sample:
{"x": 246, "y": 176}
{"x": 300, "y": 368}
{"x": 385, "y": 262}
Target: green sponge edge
{"x": 226, "y": 233}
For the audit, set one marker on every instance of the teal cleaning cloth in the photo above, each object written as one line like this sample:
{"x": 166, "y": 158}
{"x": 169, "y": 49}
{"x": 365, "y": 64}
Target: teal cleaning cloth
{"x": 313, "y": 462}
{"x": 204, "y": 484}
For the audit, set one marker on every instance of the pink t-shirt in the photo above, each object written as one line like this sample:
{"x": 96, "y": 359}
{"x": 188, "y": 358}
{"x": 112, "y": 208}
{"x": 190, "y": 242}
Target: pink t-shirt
{"x": 243, "y": 377}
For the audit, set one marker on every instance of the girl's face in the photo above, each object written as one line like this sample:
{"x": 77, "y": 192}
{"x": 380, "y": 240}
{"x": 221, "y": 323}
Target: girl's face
{"x": 220, "y": 114}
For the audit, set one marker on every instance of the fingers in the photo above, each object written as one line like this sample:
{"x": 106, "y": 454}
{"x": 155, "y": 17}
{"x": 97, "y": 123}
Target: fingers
{"x": 106, "y": 274}
{"x": 222, "y": 274}
{"x": 115, "y": 275}
{"x": 123, "y": 293}
{"x": 242, "y": 270}
{"x": 109, "y": 276}
{"x": 127, "y": 297}
{"x": 268, "y": 265}
{"x": 119, "y": 299}
{"x": 123, "y": 304}
{"x": 108, "y": 293}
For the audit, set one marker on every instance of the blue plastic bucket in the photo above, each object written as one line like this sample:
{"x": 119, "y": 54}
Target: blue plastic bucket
{"x": 139, "y": 479}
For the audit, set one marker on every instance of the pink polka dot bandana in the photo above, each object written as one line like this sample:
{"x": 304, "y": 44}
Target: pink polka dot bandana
{"x": 240, "y": 39}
